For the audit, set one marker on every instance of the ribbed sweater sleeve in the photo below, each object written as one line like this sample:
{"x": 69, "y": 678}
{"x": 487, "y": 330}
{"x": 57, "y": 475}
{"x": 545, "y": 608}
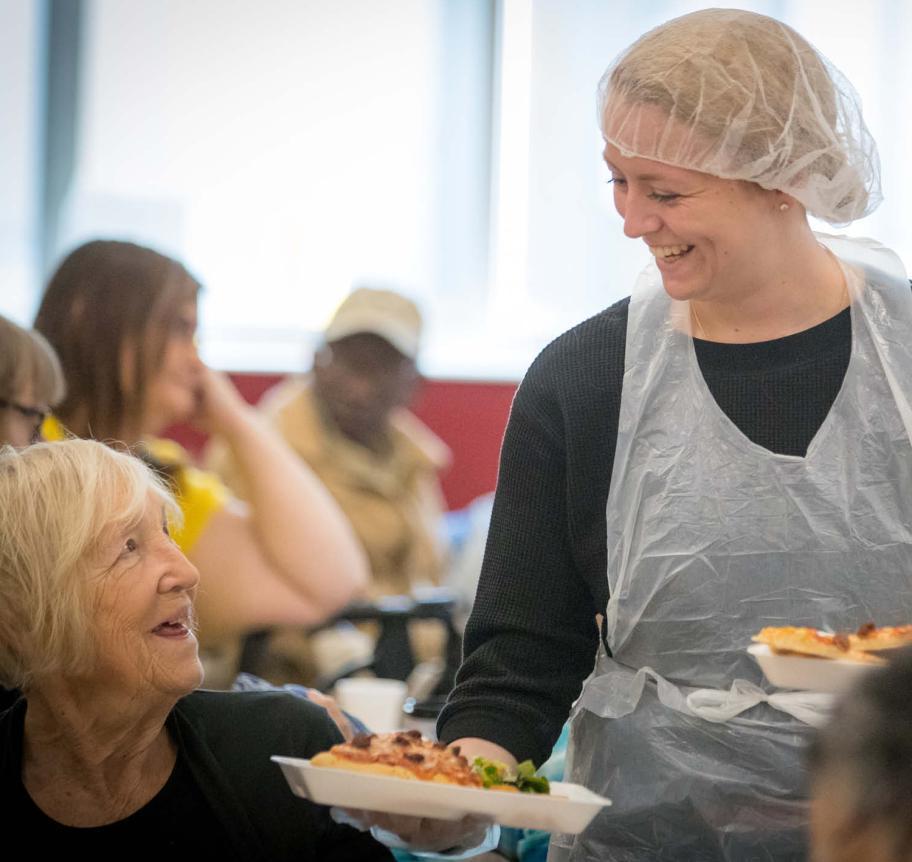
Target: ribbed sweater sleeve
{"x": 532, "y": 635}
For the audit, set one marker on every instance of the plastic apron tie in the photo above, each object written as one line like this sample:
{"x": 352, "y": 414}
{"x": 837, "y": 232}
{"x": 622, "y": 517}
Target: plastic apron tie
{"x": 616, "y": 693}
{"x": 711, "y": 536}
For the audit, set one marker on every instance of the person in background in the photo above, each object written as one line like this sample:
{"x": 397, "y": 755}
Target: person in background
{"x": 112, "y": 752}
{"x": 31, "y": 383}
{"x": 349, "y": 421}
{"x": 123, "y": 320}
{"x": 861, "y": 771}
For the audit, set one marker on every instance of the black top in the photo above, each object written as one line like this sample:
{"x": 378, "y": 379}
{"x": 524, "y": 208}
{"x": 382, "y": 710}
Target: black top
{"x": 178, "y": 817}
{"x": 224, "y": 800}
{"x": 531, "y": 639}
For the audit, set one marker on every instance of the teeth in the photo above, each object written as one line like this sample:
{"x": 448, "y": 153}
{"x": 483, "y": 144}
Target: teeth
{"x": 668, "y": 250}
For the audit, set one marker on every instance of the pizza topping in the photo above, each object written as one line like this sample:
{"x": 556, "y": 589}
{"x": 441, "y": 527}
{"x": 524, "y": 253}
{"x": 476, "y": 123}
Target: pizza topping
{"x": 404, "y": 750}
{"x": 497, "y": 776}
{"x": 407, "y": 755}
{"x": 858, "y": 646}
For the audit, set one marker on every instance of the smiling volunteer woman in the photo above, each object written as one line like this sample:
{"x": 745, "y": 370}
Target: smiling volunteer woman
{"x": 744, "y": 420}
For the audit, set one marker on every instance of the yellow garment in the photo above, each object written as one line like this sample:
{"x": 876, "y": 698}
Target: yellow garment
{"x": 199, "y": 494}
{"x": 393, "y": 501}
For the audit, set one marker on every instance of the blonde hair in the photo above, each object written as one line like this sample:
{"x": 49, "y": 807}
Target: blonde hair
{"x": 27, "y": 360}
{"x": 60, "y": 503}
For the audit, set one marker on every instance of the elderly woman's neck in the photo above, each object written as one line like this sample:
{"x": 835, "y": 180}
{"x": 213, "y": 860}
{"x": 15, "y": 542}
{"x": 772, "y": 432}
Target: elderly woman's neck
{"x": 89, "y": 760}
{"x": 93, "y": 725}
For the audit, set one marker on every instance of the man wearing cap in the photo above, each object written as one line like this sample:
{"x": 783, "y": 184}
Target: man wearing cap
{"x": 348, "y": 420}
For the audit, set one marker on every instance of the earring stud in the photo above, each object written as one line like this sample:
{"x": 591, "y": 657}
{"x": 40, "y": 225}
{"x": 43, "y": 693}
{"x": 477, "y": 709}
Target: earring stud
{"x": 783, "y": 207}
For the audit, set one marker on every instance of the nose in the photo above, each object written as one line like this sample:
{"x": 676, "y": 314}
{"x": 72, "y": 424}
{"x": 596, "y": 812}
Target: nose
{"x": 193, "y": 356}
{"x": 640, "y": 217}
{"x": 181, "y": 575}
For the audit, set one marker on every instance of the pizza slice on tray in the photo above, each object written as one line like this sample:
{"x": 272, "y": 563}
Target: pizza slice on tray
{"x": 406, "y": 754}
{"x": 870, "y": 638}
{"x": 401, "y": 755}
{"x": 798, "y": 640}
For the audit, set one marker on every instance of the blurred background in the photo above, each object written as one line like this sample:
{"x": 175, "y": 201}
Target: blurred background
{"x": 288, "y": 149}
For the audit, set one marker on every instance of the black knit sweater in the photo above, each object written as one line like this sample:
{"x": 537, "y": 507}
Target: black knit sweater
{"x": 532, "y": 637}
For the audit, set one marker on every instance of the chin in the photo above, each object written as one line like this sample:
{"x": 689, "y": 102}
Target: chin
{"x": 187, "y": 681}
{"x": 177, "y": 676}
{"x": 174, "y": 412}
{"x": 681, "y": 291}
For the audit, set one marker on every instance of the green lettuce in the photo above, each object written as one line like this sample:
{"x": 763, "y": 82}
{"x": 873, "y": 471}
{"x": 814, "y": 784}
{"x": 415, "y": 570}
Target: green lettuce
{"x": 493, "y": 772}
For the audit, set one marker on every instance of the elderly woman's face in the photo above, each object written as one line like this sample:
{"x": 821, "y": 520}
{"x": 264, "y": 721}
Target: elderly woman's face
{"x": 708, "y": 235}
{"x": 144, "y": 611}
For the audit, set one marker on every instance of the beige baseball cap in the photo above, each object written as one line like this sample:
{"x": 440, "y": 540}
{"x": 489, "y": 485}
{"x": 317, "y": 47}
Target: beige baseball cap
{"x": 381, "y": 312}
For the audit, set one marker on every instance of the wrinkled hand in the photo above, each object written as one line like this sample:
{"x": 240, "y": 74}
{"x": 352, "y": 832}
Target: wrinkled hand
{"x": 334, "y": 710}
{"x": 421, "y": 833}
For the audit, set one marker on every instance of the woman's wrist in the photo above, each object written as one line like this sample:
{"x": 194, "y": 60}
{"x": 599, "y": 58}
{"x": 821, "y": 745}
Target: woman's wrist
{"x": 242, "y": 428}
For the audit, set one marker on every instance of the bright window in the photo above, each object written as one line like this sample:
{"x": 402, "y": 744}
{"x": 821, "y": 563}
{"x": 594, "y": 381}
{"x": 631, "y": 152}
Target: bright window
{"x": 564, "y": 256}
{"x": 288, "y": 149}
{"x": 20, "y": 156}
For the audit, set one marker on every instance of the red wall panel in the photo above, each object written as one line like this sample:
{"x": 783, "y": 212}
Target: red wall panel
{"x": 469, "y": 416}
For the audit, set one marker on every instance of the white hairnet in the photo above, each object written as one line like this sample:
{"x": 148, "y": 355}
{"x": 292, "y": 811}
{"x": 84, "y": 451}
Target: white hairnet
{"x": 742, "y": 96}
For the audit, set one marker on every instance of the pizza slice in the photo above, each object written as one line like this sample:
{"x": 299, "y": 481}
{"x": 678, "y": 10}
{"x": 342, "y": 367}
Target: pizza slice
{"x": 402, "y": 755}
{"x": 870, "y": 638}
{"x": 811, "y": 642}
{"x": 406, "y": 754}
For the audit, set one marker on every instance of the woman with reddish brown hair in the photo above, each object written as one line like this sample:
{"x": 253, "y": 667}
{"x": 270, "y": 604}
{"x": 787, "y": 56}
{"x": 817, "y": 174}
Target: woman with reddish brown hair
{"x": 123, "y": 321}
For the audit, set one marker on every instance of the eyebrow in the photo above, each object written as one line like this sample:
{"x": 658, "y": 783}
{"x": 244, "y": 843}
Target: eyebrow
{"x": 648, "y": 178}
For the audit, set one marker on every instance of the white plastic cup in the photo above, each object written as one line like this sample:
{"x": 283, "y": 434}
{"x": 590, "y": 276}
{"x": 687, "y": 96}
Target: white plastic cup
{"x": 377, "y": 702}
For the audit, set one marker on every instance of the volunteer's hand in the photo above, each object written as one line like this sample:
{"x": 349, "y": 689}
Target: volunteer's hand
{"x": 419, "y": 834}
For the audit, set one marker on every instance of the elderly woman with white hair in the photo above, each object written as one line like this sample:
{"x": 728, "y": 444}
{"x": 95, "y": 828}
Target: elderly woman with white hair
{"x": 111, "y": 750}
{"x": 729, "y": 448}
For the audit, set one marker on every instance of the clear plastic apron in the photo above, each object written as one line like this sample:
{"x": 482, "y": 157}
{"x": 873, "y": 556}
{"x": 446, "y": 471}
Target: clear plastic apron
{"x": 710, "y": 537}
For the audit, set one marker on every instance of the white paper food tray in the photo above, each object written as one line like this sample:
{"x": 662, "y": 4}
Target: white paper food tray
{"x": 568, "y": 808}
{"x": 806, "y": 672}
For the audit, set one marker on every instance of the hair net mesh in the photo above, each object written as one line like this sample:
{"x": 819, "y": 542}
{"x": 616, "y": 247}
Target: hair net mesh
{"x": 743, "y": 96}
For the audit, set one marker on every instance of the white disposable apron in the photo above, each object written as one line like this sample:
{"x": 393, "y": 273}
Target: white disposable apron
{"x": 710, "y": 537}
